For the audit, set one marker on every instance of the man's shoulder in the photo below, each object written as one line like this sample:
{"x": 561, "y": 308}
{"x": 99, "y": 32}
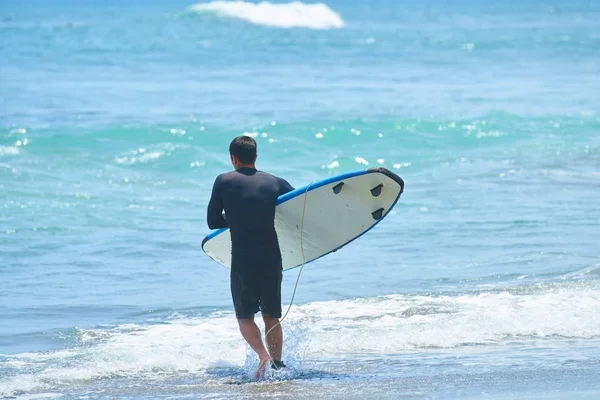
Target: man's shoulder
{"x": 225, "y": 175}
{"x": 222, "y": 178}
{"x": 284, "y": 185}
{"x": 260, "y": 171}
{"x": 265, "y": 173}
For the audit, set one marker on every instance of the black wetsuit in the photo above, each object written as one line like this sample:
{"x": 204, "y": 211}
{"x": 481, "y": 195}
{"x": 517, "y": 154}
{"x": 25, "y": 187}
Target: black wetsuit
{"x": 248, "y": 198}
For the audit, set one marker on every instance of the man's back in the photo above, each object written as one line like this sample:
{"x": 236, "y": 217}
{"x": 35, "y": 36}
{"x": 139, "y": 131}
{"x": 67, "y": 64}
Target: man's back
{"x": 249, "y": 198}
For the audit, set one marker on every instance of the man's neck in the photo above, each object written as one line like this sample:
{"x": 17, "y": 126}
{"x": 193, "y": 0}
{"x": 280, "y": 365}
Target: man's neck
{"x": 246, "y": 166}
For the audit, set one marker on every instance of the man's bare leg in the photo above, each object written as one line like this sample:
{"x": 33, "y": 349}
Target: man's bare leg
{"x": 251, "y": 334}
{"x": 275, "y": 337}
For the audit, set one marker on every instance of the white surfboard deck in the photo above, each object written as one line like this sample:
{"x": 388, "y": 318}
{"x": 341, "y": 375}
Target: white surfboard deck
{"x": 338, "y": 210}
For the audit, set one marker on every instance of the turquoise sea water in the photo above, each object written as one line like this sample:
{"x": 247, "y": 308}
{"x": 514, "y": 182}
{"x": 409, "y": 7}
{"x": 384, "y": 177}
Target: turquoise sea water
{"x": 115, "y": 118}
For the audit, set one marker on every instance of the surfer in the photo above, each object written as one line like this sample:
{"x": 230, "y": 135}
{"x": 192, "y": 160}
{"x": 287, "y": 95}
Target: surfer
{"x": 248, "y": 198}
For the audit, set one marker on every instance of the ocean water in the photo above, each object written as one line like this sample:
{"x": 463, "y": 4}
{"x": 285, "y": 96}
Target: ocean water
{"x": 483, "y": 282}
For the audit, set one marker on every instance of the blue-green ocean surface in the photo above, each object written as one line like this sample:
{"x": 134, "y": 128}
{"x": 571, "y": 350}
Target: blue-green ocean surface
{"x": 483, "y": 282}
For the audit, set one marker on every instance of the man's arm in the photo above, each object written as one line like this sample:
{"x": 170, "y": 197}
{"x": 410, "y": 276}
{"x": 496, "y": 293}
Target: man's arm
{"x": 214, "y": 213}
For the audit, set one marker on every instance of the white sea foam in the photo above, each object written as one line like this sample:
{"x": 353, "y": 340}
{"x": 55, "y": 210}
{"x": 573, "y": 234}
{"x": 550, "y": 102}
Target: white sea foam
{"x": 146, "y": 155}
{"x": 397, "y": 323}
{"x": 131, "y": 350}
{"x": 8, "y": 151}
{"x": 382, "y": 325}
{"x": 289, "y": 15}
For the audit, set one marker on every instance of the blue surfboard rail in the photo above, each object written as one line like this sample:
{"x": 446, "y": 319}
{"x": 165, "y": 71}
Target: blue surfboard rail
{"x": 315, "y": 185}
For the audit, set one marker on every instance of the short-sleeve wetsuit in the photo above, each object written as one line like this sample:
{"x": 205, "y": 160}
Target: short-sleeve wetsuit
{"x": 248, "y": 198}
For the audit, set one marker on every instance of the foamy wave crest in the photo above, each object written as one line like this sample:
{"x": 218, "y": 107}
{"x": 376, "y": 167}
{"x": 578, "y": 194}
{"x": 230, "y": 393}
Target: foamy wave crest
{"x": 398, "y": 323}
{"x": 128, "y": 350}
{"x": 290, "y": 15}
{"x": 392, "y": 324}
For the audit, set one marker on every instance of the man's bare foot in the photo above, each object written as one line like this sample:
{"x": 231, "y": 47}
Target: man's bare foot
{"x": 261, "y": 366}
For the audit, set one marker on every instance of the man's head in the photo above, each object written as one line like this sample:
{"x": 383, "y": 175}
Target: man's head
{"x": 242, "y": 150}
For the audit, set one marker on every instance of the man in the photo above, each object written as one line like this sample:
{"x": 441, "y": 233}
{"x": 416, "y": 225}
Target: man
{"x": 248, "y": 198}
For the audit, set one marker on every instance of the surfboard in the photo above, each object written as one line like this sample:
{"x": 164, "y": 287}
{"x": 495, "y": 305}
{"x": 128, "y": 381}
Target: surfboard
{"x": 329, "y": 214}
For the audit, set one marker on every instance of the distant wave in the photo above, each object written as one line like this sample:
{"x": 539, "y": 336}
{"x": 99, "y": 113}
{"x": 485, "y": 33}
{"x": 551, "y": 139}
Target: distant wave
{"x": 289, "y": 15}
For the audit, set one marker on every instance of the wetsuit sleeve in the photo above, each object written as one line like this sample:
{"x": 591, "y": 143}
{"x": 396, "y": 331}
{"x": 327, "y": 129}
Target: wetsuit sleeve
{"x": 284, "y": 186}
{"x": 214, "y": 213}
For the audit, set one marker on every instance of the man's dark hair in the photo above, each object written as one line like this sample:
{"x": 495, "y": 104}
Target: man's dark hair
{"x": 244, "y": 149}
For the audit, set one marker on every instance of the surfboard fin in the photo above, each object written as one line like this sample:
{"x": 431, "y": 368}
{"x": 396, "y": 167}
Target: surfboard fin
{"x": 337, "y": 188}
{"x": 377, "y": 214}
{"x": 376, "y": 191}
